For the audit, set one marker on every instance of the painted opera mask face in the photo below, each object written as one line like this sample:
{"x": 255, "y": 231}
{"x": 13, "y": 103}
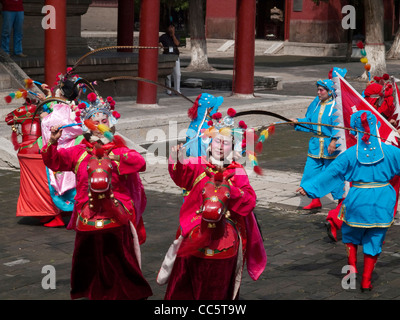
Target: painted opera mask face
{"x": 221, "y": 147}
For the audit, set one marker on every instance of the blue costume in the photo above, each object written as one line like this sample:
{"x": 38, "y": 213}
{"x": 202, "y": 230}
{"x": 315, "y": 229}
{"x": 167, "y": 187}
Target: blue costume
{"x": 318, "y": 157}
{"x": 204, "y": 107}
{"x": 367, "y": 210}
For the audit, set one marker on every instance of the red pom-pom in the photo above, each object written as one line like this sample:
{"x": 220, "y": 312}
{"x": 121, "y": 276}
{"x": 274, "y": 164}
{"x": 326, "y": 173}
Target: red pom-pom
{"x": 92, "y": 97}
{"x": 243, "y": 145}
{"x": 258, "y": 170}
{"x": 210, "y": 123}
{"x": 271, "y": 130}
{"x": 385, "y": 76}
{"x": 78, "y": 113}
{"x": 116, "y": 115}
{"x": 360, "y": 44}
{"x": 69, "y": 69}
{"x": 259, "y": 147}
{"x": 8, "y": 99}
{"x": 217, "y": 115}
{"x": 77, "y": 119}
{"x": 242, "y": 124}
{"x": 231, "y": 112}
{"x": 81, "y": 105}
{"x": 109, "y": 99}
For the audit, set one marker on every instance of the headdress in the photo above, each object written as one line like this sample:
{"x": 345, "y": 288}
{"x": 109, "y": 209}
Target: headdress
{"x": 96, "y": 104}
{"x": 335, "y": 71}
{"x": 245, "y": 140}
{"x": 369, "y": 149}
{"x": 205, "y": 106}
{"x": 328, "y": 85}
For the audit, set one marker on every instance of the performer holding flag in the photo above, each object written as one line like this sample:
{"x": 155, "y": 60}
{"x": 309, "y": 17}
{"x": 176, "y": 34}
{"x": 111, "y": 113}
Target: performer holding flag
{"x": 367, "y": 210}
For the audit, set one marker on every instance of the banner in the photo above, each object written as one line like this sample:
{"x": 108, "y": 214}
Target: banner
{"x": 349, "y": 101}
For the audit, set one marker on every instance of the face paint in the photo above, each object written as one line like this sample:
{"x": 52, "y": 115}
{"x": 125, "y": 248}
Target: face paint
{"x": 221, "y": 146}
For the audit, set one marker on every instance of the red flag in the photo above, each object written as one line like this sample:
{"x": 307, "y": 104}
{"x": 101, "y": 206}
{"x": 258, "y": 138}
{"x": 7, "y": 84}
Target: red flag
{"x": 349, "y": 101}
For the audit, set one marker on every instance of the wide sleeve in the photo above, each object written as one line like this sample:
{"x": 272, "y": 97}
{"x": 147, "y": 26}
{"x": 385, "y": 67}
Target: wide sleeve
{"x": 130, "y": 161}
{"x": 330, "y": 179}
{"x": 307, "y": 118}
{"x": 243, "y": 197}
{"x": 58, "y": 159}
{"x": 184, "y": 173}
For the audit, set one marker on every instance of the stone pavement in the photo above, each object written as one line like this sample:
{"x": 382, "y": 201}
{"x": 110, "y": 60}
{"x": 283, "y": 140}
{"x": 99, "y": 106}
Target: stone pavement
{"x": 302, "y": 262}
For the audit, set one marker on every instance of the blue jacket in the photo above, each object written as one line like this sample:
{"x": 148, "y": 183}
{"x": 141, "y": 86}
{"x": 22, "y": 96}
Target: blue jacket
{"x": 318, "y": 112}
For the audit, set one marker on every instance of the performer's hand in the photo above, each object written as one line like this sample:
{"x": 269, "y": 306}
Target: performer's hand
{"x": 332, "y": 147}
{"x": 301, "y": 191}
{"x": 46, "y": 89}
{"x": 178, "y": 153}
{"x": 294, "y": 122}
{"x": 56, "y": 133}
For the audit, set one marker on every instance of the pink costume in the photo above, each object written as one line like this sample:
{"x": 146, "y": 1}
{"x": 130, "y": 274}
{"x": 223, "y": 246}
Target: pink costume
{"x": 106, "y": 261}
{"x": 191, "y": 176}
{"x": 61, "y": 115}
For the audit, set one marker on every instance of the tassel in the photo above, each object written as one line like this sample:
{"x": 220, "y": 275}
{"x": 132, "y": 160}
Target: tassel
{"x": 259, "y": 147}
{"x": 103, "y": 128}
{"x": 109, "y": 135}
{"x": 98, "y": 151}
{"x": 271, "y": 130}
{"x": 90, "y": 125}
{"x": 119, "y": 141}
{"x": 14, "y": 140}
{"x": 28, "y": 83}
{"x": 8, "y": 99}
{"x": 258, "y": 170}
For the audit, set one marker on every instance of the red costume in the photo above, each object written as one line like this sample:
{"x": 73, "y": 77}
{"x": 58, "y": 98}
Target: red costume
{"x": 215, "y": 272}
{"x": 104, "y": 264}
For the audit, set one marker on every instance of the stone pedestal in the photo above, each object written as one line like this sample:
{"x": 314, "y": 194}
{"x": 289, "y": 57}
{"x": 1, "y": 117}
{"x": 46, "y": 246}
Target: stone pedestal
{"x": 33, "y": 40}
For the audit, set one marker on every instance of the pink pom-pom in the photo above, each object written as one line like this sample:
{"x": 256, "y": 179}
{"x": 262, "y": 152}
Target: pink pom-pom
{"x": 78, "y": 113}
{"x": 109, "y": 99}
{"x": 210, "y": 123}
{"x": 81, "y": 105}
{"x": 116, "y": 115}
{"x": 92, "y": 97}
{"x": 78, "y": 119}
{"x": 231, "y": 112}
{"x": 69, "y": 69}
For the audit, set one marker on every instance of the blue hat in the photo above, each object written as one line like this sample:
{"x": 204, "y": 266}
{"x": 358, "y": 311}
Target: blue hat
{"x": 369, "y": 149}
{"x": 337, "y": 71}
{"x": 199, "y": 120}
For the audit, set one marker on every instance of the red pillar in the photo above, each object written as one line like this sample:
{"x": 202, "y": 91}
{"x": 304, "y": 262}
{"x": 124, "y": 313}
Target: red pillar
{"x": 148, "y": 58}
{"x": 243, "y": 82}
{"x": 126, "y": 10}
{"x": 55, "y": 43}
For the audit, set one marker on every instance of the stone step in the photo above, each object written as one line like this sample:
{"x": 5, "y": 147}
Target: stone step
{"x": 5, "y": 81}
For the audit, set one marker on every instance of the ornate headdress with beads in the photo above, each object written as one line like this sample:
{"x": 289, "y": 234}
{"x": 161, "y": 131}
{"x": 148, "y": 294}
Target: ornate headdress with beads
{"x": 245, "y": 140}
{"x": 96, "y": 104}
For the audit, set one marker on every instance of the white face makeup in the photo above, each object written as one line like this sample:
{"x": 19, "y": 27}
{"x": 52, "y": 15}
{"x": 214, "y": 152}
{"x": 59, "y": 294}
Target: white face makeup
{"x": 221, "y": 147}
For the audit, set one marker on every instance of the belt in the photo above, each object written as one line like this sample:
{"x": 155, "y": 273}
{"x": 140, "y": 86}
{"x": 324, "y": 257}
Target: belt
{"x": 84, "y": 224}
{"x": 369, "y": 185}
